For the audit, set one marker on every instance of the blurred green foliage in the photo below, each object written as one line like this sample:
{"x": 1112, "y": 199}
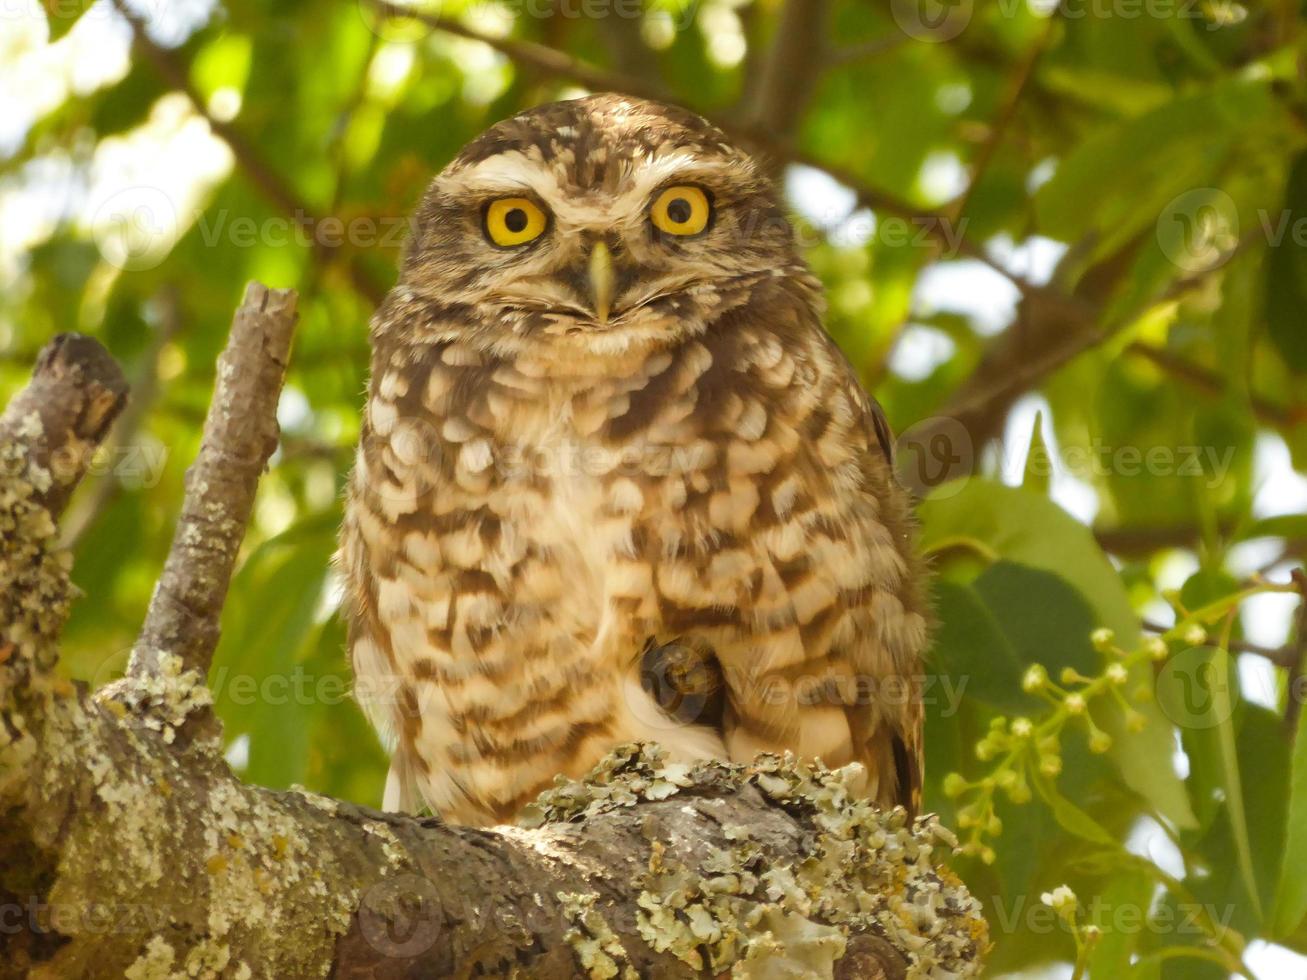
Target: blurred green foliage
{"x": 1142, "y": 161}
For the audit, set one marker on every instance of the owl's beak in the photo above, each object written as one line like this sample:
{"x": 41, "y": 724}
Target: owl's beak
{"x": 602, "y": 280}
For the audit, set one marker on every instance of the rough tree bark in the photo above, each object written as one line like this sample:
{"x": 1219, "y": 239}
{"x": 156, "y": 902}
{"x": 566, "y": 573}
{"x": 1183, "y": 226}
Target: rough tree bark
{"x": 128, "y": 847}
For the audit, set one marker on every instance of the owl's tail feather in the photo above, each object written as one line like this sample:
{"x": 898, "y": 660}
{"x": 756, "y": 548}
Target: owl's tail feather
{"x": 401, "y": 785}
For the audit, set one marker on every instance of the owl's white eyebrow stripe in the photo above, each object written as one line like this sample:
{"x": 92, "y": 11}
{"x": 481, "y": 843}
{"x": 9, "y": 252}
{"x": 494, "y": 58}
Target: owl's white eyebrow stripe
{"x": 511, "y": 170}
{"x": 515, "y": 170}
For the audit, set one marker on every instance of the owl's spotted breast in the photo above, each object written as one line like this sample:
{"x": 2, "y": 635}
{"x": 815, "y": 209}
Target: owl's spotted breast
{"x": 520, "y": 537}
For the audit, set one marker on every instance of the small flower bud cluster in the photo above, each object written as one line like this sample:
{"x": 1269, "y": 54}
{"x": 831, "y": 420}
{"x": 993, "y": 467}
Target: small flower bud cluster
{"x": 1028, "y": 750}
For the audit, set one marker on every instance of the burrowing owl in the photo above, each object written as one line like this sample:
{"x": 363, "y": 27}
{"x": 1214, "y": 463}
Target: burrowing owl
{"x": 616, "y": 483}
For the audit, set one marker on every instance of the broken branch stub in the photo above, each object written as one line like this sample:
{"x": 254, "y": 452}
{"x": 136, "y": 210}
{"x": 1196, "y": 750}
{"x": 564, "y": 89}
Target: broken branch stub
{"x": 240, "y": 434}
{"x": 53, "y": 426}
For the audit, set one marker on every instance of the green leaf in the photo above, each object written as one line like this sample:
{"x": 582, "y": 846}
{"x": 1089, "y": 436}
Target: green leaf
{"x": 1039, "y": 462}
{"x": 1021, "y": 526}
{"x": 1290, "y": 909}
{"x": 970, "y": 644}
{"x": 1072, "y": 818}
{"x": 1168, "y": 151}
{"x": 262, "y": 685}
{"x": 222, "y": 63}
{"x": 1286, "y": 270}
{"x": 1222, "y": 882}
{"x": 1127, "y": 891}
{"x": 62, "y": 16}
{"x": 1233, "y": 779}
{"x": 1012, "y": 616}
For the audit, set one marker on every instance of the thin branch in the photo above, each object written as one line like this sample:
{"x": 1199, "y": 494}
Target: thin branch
{"x": 867, "y": 50}
{"x": 1280, "y": 656}
{"x": 1212, "y": 383}
{"x": 626, "y": 45}
{"x": 1295, "y": 651}
{"x": 266, "y": 179}
{"x": 1007, "y": 113}
{"x": 1133, "y": 542}
{"x": 269, "y": 183}
{"x": 544, "y": 59}
{"x": 787, "y": 76}
{"x": 240, "y": 434}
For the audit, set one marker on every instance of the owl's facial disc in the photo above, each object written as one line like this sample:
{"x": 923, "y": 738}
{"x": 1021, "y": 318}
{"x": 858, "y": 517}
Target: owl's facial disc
{"x": 565, "y": 255}
{"x": 599, "y": 216}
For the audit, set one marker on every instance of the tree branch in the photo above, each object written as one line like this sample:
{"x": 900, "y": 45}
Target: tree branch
{"x": 626, "y": 46}
{"x": 787, "y": 76}
{"x": 240, "y": 434}
{"x": 1212, "y": 383}
{"x": 1280, "y": 656}
{"x": 48, "y": 434}
{"x": 1006, "y": 114}
{"x": 542, "y": 58}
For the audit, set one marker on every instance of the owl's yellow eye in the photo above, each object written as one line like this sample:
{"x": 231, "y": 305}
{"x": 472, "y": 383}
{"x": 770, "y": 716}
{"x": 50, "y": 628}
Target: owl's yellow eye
{"x": 513, "y": 221}
{"x": 682, "y": 210}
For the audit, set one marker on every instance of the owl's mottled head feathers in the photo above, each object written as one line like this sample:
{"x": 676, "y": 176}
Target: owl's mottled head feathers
{"x": 598, "y": 224}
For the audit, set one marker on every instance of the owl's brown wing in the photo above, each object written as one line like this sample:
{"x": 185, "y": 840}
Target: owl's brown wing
{"x": 826, "y": 659}
{"x": 904, "y": 734}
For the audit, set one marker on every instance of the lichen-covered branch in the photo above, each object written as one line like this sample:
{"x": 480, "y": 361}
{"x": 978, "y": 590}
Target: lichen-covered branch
{"x": 52, "y": 427}
{"x": 48, "y": 434}
{"x": 648, "y": 869}
{"x": 127, "y": 851}
{"x": 240, "y": 435}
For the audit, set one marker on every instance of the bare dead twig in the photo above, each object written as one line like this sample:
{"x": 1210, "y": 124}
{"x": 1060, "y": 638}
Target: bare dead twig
{"x": 240, "y": 433}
